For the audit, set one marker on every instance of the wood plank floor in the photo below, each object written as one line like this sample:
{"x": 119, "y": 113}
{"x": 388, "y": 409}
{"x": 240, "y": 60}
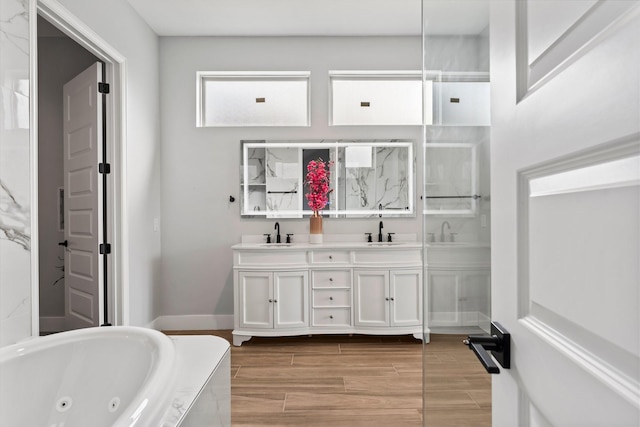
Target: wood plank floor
{"x": 356, "y": 381}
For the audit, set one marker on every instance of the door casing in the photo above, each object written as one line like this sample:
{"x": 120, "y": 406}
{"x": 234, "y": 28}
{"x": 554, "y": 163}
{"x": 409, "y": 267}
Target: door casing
{"x": 115, "y": 67}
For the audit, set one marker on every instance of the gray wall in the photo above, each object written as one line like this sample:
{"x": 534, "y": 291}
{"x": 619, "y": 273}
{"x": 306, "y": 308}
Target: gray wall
{"x": 200, "y": 167}
{"x": 59, "y": 60}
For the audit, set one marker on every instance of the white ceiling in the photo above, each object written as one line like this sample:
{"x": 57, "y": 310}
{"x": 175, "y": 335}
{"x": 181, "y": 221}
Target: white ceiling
{"x": 311, "y": 17}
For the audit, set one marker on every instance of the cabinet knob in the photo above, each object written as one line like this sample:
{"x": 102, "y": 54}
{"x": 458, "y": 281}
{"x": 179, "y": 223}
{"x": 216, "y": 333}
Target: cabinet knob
{"x": 330, "y": 256}
{"x": 275, "y": 300}
{"x": 270, "y": 300}
{"x": 331, "y": 317}
{"x": 331, "y": 279}
{"x": 330, "y": 298}
{"x": 387, "y": 298}
{"x": 392, "y": 299}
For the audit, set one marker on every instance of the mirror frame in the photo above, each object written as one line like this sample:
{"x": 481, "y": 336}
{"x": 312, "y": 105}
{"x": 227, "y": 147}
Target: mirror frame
{"x": 330, "y": 212}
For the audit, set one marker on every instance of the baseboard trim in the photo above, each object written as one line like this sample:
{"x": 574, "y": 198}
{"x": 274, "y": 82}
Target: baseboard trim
{"x": 52, "y": 324}
{"x": 192, "y": 322}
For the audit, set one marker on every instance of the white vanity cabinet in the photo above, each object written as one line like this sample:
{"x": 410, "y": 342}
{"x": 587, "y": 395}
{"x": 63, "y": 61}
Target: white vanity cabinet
{"x": 388, "y": 298}
{"x": 459, "y": 283}
{"x": 317, "y": 289}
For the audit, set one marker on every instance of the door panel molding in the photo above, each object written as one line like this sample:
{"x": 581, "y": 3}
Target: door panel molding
{"x": 605, "y": 348}
{"x": 615, "y": 368}
{"x": 597, "y": 22}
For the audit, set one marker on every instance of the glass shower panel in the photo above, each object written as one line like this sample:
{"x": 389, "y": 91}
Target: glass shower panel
{"x": 456, "y": 208}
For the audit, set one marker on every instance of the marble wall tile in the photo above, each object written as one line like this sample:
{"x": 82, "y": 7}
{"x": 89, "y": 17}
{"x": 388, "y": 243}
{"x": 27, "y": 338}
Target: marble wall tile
{"x": 382, "y": 186}
{"x": 15, "y": 185}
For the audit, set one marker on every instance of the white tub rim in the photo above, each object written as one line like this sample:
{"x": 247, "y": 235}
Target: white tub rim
{"x": 159, "y": 382}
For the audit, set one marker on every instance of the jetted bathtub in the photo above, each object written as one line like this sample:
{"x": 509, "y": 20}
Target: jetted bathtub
{"x": 108, "y": 376}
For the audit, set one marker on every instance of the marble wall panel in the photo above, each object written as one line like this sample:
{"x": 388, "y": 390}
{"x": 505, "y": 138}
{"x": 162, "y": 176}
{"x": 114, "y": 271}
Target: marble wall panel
{"x": 15, "y": 184}
{"x": 382, "y": 186}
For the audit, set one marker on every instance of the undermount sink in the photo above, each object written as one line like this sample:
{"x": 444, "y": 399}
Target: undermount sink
{"x": 276, "y": 245}
{"x": 385, "y": 243}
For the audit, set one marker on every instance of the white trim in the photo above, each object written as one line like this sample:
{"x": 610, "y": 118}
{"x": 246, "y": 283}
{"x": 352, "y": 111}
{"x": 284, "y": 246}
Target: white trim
{"x": 364, "y": 74}
{"x": 115, "y": 64}
{"x": 613, "y": 174}
{"x": 33, "y": 164}
{"x": 600, "y": 20}
{"x": 195, "y": 322}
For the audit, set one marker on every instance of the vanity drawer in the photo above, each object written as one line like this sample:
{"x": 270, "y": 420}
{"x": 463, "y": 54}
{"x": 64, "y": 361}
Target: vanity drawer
{"x": 329, "y": 257}
{"x": 388, "y": 257}
{"x": 331, "y": 317}
{"x": 331, "y": 298}
{"x": 331, "y": 278}
{"x": 269, "y": 258}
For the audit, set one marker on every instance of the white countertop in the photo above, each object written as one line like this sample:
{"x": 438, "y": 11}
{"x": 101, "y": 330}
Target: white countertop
{"x": 332, "y": 241}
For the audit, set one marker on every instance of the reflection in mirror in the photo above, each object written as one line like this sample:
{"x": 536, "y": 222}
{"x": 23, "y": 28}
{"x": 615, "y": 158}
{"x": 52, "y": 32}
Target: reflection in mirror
{"x": 451, "y": 178}
{"x": 368, "y": 178}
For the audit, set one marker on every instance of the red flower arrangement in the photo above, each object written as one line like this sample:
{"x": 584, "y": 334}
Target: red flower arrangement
{"x": 317, "y": 181}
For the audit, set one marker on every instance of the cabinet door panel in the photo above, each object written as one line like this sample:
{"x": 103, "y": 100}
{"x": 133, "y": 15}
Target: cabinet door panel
{"x": 371, "y": 297}
{"x": 406, "y": 294}
{"x": 255, "y": 292}
{"x": 444, "y": 298}
{"x": 291, "y": 299}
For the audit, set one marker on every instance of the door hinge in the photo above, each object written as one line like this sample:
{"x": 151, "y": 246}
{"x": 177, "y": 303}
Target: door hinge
{"x": 103, "y": 88}
{"x": 104, "y": 168}
{"x": 105, "y": 248}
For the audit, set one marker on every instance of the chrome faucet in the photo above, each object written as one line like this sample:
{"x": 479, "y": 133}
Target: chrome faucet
{"x": 380, "y": 227}
{"x": 442, "y": 230}
{"x": 277, "y": 228}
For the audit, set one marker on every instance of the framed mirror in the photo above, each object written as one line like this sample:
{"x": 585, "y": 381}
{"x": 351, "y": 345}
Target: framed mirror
{"x": 368, "y": 178}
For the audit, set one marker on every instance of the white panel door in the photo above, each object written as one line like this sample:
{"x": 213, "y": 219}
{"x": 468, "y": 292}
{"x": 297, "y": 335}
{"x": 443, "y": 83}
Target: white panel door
{"x": 565, "y": 196}
{"x": 82, "y": 129}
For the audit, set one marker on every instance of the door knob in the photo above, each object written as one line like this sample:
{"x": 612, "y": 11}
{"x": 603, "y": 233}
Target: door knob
{"x": 65, "y": 243}
{"x": 498, "y": 343}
